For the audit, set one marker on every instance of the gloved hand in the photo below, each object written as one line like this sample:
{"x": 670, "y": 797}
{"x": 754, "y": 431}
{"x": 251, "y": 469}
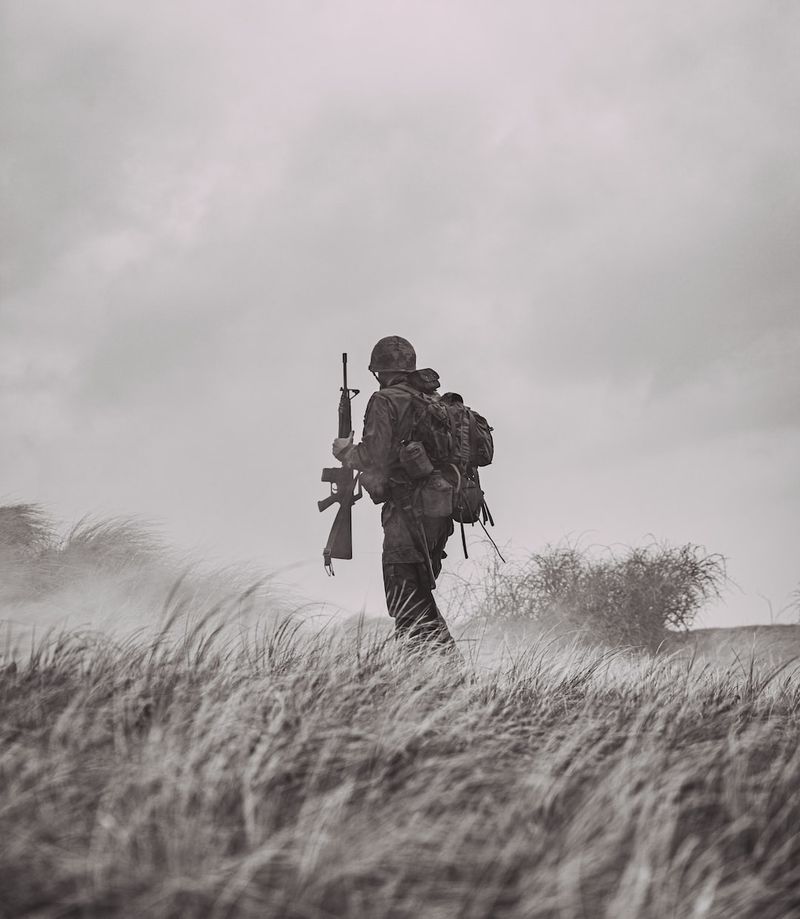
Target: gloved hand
{"x": 341, "y": 446}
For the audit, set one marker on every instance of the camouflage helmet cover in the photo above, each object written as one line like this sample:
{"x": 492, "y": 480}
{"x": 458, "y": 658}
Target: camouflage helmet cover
{"x": 393, "y": 353}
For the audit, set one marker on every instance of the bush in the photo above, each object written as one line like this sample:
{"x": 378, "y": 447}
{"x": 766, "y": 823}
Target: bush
{"x": 619, "y": 599}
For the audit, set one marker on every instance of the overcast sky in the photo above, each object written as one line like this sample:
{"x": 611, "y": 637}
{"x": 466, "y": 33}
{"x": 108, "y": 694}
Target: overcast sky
{"x": 586, "y": 216}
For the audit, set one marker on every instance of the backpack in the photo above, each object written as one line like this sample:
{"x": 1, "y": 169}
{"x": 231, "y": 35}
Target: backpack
{"x": 451, "y": 432}
{"x": 457, "y": 438}
{"x": 471, "y": 436}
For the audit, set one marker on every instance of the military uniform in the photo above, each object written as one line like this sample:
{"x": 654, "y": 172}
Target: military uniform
{"x": 413, "y": 544}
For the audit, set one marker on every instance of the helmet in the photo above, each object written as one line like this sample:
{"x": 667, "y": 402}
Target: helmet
{"x": 393, "y": 353}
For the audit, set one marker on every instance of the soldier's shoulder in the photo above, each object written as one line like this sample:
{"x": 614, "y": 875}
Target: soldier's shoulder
{"x": 397, "y": 392}
{"x": 393, "y": 399}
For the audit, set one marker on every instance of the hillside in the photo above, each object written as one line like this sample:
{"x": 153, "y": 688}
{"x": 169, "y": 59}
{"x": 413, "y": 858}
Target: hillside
{"x": 179, "y": 747}
{"x": 302, "y": 778}
{"x": 771, "y": 645}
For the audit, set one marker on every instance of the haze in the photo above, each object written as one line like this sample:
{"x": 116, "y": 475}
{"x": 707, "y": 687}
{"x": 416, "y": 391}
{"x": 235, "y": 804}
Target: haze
{"x": 585, "y": 217}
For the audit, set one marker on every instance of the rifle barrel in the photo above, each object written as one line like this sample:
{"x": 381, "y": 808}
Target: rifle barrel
{"x": 345, "y": 416}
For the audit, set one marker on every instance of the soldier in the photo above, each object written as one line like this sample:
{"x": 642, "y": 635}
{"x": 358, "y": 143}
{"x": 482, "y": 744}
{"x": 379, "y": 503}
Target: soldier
{"x": 415, "y": 531}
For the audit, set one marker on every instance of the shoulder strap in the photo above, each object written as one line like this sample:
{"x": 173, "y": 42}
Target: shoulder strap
{"x": 473, "y": 437}
{"x": 419, "y": 406}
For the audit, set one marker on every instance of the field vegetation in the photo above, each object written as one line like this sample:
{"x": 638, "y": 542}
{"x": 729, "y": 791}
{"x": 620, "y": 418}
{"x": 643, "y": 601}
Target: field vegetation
{"x": 635, "y": 597}
{"x": 198, "y": 771}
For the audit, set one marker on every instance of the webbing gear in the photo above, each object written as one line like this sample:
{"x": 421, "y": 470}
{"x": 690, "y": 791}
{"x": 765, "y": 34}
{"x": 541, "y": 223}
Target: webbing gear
{"x": 481, "y": 516}
{"x": 486, "y": 532}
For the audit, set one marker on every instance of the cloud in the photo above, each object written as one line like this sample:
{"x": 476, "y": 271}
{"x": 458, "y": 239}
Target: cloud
{"x": 584, "y": 216}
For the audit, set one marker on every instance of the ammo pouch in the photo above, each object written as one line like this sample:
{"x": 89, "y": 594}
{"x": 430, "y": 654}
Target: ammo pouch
{"x": 376, "y": 485}
{"x": 468, "y": 502}
{"x": 436, "y": 496}
{"x": 414, "y": 460}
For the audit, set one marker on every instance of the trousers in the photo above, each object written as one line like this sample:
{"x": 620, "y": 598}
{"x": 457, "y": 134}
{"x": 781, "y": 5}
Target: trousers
{"x": 406, "y": 575}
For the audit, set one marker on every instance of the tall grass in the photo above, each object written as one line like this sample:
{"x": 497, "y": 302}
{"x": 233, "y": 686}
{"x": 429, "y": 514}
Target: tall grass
{"x": 194, "y": 770}
{"x": 112, "y": 576}
{"x": 284, "y": 776}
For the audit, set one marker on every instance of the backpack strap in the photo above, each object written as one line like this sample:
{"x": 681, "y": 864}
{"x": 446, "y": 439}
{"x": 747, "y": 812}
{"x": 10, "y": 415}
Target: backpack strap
{"x": 419, "y": 406}
{"x": 473, "y": 436}
{"x": 494, "y": 544}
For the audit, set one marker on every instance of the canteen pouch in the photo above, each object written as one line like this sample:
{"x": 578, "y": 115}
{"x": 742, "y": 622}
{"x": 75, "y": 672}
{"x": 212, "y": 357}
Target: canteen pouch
{"x": 414, "y": 460}
{"x": 436, "y": 496}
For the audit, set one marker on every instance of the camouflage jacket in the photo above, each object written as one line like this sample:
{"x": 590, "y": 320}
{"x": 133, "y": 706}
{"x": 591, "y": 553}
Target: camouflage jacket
{"x": 388, "y": 421}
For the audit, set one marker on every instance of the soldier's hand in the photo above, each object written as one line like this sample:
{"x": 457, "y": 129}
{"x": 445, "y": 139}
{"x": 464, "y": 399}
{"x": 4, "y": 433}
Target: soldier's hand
{"x": 342, "y": 445}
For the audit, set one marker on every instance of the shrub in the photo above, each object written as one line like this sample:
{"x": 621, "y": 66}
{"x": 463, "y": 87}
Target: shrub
{"x": 619, "y": 599}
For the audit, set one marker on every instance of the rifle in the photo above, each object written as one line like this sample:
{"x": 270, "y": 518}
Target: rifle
{"x": 343, "y": 482}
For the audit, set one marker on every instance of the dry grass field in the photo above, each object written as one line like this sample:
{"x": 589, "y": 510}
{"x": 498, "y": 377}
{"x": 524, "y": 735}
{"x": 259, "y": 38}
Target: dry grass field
{"x": 768, "y": 645}
{"x": 194, "y": 770}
